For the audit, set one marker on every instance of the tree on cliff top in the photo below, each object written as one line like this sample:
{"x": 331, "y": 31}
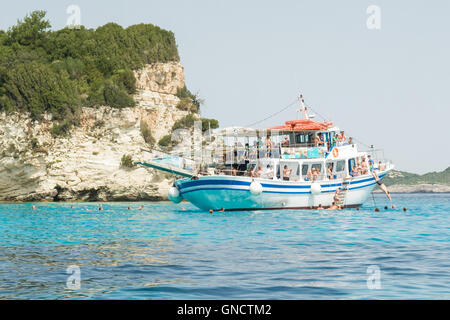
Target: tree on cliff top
{"x": 30, "y": 31}
{"x": 60, "y": 71}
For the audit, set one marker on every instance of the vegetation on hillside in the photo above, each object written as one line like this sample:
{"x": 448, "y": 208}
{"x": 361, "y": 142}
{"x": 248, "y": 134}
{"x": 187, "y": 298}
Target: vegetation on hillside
{"x": 406, "y": 178}
{"x": 60, "y": 71}
{"x": 147, "y": 134}
{"x": 126, "y": 161}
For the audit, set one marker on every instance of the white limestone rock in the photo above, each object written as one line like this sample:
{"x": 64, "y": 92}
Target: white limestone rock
{"x": 86, "y": 166}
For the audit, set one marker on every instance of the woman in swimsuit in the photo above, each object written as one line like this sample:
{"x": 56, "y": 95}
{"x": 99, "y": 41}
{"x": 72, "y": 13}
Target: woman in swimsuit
{"x": 382, "y": 185}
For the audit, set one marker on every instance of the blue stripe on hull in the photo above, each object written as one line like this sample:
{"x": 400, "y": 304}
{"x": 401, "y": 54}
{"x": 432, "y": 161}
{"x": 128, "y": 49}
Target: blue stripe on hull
{"x": 195, "y": 183}
{"x": 267, "y": 191}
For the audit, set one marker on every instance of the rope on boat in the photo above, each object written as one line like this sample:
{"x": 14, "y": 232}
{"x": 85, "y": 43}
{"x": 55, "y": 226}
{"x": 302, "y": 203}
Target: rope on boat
{"x": 273, "y": 115}
{"x": 373, "y": 198}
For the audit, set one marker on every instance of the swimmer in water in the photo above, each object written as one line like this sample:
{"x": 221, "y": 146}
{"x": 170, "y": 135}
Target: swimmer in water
{"x": 33, "y": 207}
{"x": 129, "y": 208}
{"x": 333, "y": 207}
{"x": 320, "y": 207}
{"x": 100, "y": 207}
{"x": 141, "y": 207}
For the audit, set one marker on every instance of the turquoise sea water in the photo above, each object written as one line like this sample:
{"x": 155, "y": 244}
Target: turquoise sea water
{"x": 163, "y": 252}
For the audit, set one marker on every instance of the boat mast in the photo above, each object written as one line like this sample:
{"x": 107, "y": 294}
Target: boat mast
{"x": 304, "y": 110}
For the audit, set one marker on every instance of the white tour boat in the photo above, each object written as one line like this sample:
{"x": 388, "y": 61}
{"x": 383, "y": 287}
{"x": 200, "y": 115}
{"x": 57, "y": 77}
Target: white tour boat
{"x": 303, "y": 164}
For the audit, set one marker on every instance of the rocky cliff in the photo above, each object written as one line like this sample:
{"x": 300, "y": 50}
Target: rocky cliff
{"x": 86, "y": 165}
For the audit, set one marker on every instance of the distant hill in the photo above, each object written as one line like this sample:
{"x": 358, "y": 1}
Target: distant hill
{"x": 405, "y": 178}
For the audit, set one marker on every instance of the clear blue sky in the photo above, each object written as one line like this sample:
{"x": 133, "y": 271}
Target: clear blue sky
{"x": 248, "y": 59}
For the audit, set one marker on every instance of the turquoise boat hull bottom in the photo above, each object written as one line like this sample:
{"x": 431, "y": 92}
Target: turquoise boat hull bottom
{"x": 233, "y": 193}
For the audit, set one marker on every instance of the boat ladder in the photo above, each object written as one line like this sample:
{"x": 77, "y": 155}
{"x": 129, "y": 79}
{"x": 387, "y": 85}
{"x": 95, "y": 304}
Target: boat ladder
{"x": 342, "y": 192}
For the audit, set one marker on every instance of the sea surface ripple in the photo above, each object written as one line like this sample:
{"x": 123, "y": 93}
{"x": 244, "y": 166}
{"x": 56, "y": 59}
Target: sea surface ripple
{"x": 162, "y": 252}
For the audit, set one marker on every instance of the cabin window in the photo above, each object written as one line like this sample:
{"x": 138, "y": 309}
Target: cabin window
{"x": 340, "y": 166}
{"x": 302, "y": 138}
{"x": 294, "y": 167}
{"x": 304, "y": 170}
{"x": 351, "y": 164}
{"x": 317, "y": 166}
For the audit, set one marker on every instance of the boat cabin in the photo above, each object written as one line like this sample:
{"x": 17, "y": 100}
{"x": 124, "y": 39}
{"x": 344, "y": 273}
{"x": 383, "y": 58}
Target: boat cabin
{"x": 299, "y": 150}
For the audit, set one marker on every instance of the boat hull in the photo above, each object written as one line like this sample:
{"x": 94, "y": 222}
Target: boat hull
{"x": 233, "y": 193}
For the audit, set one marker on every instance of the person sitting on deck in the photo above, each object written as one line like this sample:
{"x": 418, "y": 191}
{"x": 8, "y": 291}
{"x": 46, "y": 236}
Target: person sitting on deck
{"x": 286, "y": 173}
{"x": 354, "y": 172}
{"x": 342, "y": 138}
{"x": 330, "y": 172}
{"x": 316, "y": 174}
{"x": 258, "y": 172}
{"x": 268, "y": 172}
{"x": 335, "y": 140}
{"x": 234, "y": 170}
{"x": 363, "y": 166}
{"x": 269, "y": 145}
{"x": 350, "y": 140}
{"x": 285, "y": 142}
{"x": 371, "y": 163}
{"x": 318, "y": 140}
{"x": 309, "y": 176}
{"x": 381, "y": 166}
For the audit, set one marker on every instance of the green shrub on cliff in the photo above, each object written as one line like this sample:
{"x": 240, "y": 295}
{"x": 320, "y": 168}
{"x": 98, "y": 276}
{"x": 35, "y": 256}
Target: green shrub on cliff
{"x": 188, "y": 121}
{"x": 185, "y": 104}
{"x": 209, "y": 124}
{"x": 165, "y": 141}
{"x": 127, "y": 161}
{"x": 147, "y": 134}
{"x": 185, "y": 122}
{"x": 188, "y": 101}
{"x": 61, "y": 129}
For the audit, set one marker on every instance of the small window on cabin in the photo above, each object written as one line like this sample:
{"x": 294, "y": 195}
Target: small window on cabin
{"x": 330, "y": 165}
{"x": 317, "y": 166}
{"x": 304, "y": 169}
{"x": 300, "y": 138}
{"x": 351, "y": 164}
{"x": 340, "y": 166}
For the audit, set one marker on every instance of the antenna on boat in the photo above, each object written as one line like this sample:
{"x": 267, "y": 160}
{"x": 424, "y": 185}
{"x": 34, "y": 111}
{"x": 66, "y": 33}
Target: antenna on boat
{"x": 304, "y": 109}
